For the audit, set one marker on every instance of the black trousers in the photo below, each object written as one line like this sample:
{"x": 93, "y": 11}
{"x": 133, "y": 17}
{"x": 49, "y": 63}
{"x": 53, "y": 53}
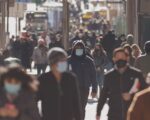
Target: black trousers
{"x": 41, "y": 68}
{"x": 84, "y": 99}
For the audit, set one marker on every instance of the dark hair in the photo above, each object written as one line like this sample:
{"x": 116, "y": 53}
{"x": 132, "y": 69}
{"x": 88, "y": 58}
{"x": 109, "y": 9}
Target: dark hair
{"x": 18, "y": 74}
{"x": 117, "y": 50}
{"x": 147, "y": 47}
{"x": 103, "y": 52}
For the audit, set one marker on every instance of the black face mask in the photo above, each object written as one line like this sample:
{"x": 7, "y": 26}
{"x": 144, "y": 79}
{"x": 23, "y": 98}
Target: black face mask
{"x": 121, "y": 63}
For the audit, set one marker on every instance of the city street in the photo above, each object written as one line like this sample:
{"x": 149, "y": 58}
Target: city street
{"x": 85, "y": 48}
{"x": 91, "y": 111}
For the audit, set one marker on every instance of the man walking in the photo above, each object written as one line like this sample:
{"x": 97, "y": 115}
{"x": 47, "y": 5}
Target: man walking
{"x": 83, "y": 66}
{"x": 120, "y": 85}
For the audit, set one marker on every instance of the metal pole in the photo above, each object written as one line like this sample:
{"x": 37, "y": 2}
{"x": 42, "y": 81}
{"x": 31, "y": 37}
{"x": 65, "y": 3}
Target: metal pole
{"x": 7, "y": 16}
{"x": 2, "y": 23}
{"x": 66, "y": 24}
{"x": 17, "y": 20}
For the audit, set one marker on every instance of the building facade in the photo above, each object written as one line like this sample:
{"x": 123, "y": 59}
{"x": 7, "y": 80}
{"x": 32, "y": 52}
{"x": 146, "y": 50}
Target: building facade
{"x": 138, "y": 20}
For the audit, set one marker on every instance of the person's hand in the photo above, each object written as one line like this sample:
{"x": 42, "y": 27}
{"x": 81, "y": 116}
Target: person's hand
{"x": 94, "y": 95}
{"x": 3, "y": 112}
{"x": 12, "y": 113}
{"x": 97, "y": 117}
{"x": 126, "y": 96}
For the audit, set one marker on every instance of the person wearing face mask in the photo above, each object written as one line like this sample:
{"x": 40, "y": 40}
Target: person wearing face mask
{"x": 40, "y": 57}
{"x": 17, "y": 98}
{"x": 83, "y": 66}
{"x": 120, "y": 85}
{"x": 58, "y": 89}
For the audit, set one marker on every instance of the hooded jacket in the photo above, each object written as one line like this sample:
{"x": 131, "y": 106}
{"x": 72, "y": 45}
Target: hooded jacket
{"x": 84, "y": 68}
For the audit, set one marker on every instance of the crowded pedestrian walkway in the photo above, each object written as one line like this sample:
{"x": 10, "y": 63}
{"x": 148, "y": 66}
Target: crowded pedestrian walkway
{"x": 109, "y": 72}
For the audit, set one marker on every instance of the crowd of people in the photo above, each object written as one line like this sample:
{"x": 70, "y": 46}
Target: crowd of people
{"x": 117, "y": 66}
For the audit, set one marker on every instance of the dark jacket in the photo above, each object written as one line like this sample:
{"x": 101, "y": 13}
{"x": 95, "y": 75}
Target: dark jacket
{"x": 26, "y": 52}
{"x": 60, "y": 101}
{"x": 56, "y": 44}
{"x": 16, "y": 47}
{"x": 85, "y": 70}
{"x": 25, "y": 103}
{"x": 101, "y": 61}
{"x": 115, "y": 85}
{"x": 108, "y": 43}
{"x": 140, "y": 107}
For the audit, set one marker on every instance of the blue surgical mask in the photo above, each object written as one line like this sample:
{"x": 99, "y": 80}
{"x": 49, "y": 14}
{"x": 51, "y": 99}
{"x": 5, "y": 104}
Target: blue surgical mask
{"x": 79, "y": 52}
{"x": 62, "y": 67}
{"x": 12, "y": 89}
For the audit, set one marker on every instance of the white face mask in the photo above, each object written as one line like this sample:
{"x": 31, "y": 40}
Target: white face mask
{"x": 12, "y": 89}
{"x": 79, "y": 52}
{"x": 62, "y": 66}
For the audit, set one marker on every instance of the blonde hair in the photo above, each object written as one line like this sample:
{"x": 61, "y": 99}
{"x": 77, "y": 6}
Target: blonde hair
{"x": 135, "y": 47}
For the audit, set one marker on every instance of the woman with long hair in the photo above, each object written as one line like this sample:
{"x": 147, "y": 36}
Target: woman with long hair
{"x": 136, "y": 51}
{"x": 101, "y": 62}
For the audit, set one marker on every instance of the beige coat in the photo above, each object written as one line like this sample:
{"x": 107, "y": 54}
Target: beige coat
{"x": 140, "y": 107}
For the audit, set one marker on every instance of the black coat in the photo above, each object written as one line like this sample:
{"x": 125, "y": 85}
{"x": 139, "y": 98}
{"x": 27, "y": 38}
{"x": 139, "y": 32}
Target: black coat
{"x": 60, "y": 101}
{"x": 85, "y": 70}
{"x": 115, "y": 85}
{"x": 26, "y": 53}
{"x": 56, "y": 44}
{"x": 16, "y": 47}
{"x": 108, "y": 44}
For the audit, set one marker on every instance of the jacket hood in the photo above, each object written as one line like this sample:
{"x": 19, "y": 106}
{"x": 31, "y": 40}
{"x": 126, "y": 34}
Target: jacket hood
{"x": 81, "y": 44}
